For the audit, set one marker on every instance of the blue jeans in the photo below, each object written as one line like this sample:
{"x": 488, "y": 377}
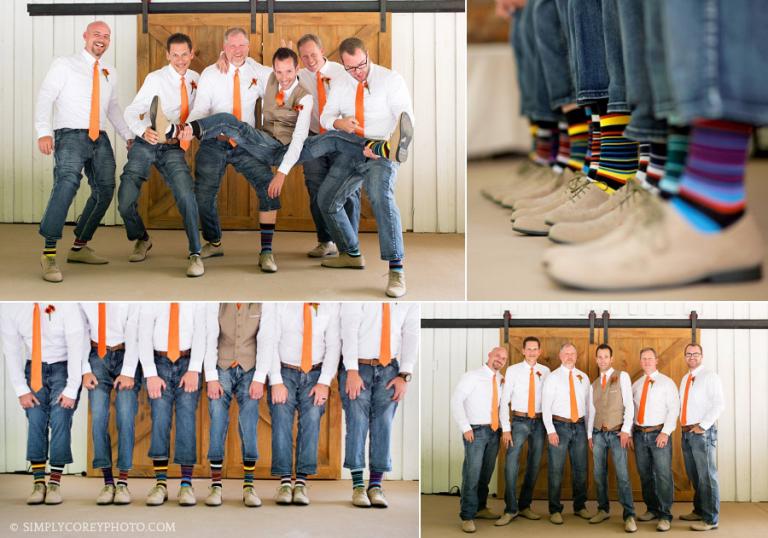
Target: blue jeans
{"x": 185, "y": 450}
{"x": 299, "y": 400}
{"x": 573, "y": 444}
{"x": 614, "y": 60}
{"x": 479, "y": 461}
{"x": 532, "y": 431}
{"x": 654, "y": 465}
{"x": 700, "y": 457}
{"x": 126, "y": 406}
{"x": 656, "y": 57}
{"x": 602, "y": 442}
{"x": 524, "y": 72}
{"x": 552, "y": 46}
{"x": 585, "y": 22}
{"x": 170, "y": 161}
{"x": 373, "y": 410}
{"x": 378, "y": 177}
{"x": 74, "y": 152}
{"x": 234, "y": 382}
{"x": 723, "y": 71}
{"x": 50, "y": 414}
{"x": 540, "y": 109}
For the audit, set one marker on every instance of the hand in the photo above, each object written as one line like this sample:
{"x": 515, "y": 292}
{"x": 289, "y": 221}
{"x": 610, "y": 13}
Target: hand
{"x": 348, "y": 124}
{"x": 589, "y": 442}
{"x": 124, "y": 382}
{"x": 256, "y": 390}
{"x": 28, "y": 401}
{"x": 367, "y": 152}
{"x": 631, "y": 443}
{"x": 66, "y": 403}
{"x": 506, "y": 440}
{"x": 190, "y": 381}
{"x": 661, "y": 440}
{"x": 155, "y": 386}
{"x": 90, "y": 381}
{"x": 625, "y": 439}
{"x": 45, "y": 144}
{"x": 469, "y": 436}
{"x": 186, "y": 134}
{"x": 554, "y": 440}
{"x": 150, "y": 135}
{"x": 354, "y": 384}
{"x": 320, "y": 392}
{"x": 698, "y": 430}
{"x": 222, "y": 64}
{"x": 129, "y": 144}
{"x": 214, "y": 390}
{"x": 400, "y": 387}
{"x": 276, "y": 185}
{"x": 279, "y": 394}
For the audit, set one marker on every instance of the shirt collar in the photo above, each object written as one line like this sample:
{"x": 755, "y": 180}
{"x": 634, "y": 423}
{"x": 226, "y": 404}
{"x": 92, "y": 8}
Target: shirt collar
{"x": 697, "y": 371}
{"x": 654, "y": 375}
{"x": 487, "y": 371}
{"x": 608, "y": 373}
{"x": 88, "y": 57}
{"x": 175, "y": 74}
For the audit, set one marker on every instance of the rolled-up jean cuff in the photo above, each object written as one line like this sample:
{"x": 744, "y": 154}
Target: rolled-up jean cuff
{"x": 620, "y": 107}
{"x": 590, "y": 96}
{"x": 640, "y": 134}
{"x": 727, "y": 109}
{"x": 544, "y": 116}
{"x": 664, "y": 109}
{"x": 559, "y": 103}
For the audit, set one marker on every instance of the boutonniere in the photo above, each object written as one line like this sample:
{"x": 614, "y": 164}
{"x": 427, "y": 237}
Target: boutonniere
{"x": 326, "y": 80}
{"x": 194, "y": 85}
{"x": 538, "y": 374}
{"x": 501, "y": 381}
{"x": 298, "y": 108}
{"x": 315, "y": 306}
{"x": 693, "y": 380}
{"x": 365, "y": 85}
{"x": 578, "y": 376}
{"x": 254, "y": 82}
{"x": 105, "y": 72}
{"x": 652, "y": 382}
{"x": 50, "y": 309}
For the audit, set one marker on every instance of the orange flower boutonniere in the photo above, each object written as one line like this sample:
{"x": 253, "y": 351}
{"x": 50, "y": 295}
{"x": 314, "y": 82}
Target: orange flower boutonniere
{"x": 50, "y": 309}
{"x": 254, "y": 82}
{"x": 105, "y": 72}
{"x": 651, "y": 382}
{"x": 298, "y": 108}
{"x": 326, "y": 80}
{"x": 194, "y": 85}
{"x": 578, "y": 376}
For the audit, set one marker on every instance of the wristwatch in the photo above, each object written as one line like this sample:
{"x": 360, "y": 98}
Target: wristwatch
{"x": 406, "y": 377}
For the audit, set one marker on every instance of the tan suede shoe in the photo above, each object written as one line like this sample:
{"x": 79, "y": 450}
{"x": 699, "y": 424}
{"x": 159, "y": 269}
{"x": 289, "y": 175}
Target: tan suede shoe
{"x": 360, "y": 497}
{"x": 396, "y": 284}
{"x": 322, "y": 250}
{"x": 560, "y": 195}
{"x": 250, "y": 498}
{"x": 214, "y": 496}
{"x": 140, "y": 250}
{"x": 210, "y": 250}
{"x": 107, "y": 495}
{"x": 53, "y": 494}
{"x": 195, "y": 266}
{"x": 51, "y": 271}
{"x": 157, "y": 495}
{"x": 85, "y": 255}
{"x": 186, "y": 496}
{"x": 377, "y": 498}
{"x": 468, "y": 526}
{"x": 519, "y": 175}
{"x": 345, "y": 261}
{"x": 586, "y": 196}
{"x": 38, "y": 494}
{"x": 284, "y": 494}
{"x": 267, "y": 262}
{"x": 300, "y": 495}
{"x": 122, "y": 494}
{"x": 548, "y": 182}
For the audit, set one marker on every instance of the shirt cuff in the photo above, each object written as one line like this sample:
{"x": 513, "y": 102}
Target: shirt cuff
{"x": 259, "y": 377}
{"x": 44, "y": 132}
{"x": 325, "y": 379}
{"x": 705, "y": 425}
{"x": 212, "y": 375}
{"x": 150, "y": 371}
{"x": 465, "y": 427}
{"x": 70, "y": 392}
{"x": 275, "y": 379}
{"x": 505, "y": 427}
{"x": 126, "y": 371}
{"x": 22, "y": 389}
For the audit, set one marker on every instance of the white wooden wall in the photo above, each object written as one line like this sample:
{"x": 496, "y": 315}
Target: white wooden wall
{"x": 13, "y": 432}
{"x": 739, "y": 356}
{"x": 429, "y": 50}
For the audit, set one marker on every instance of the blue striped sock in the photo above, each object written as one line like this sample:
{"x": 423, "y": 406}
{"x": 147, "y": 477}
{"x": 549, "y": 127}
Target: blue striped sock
{"x": 357, "y": 478}
{"x": 267, "y": 233}
{"x": 186, "y": 475}
{"x": 38, "y": 471}
{"x": 396, "y": 265}
{"x": 375, "y": 480}
{"x": 301, "y": 479}
{"x": 161, "y": 472}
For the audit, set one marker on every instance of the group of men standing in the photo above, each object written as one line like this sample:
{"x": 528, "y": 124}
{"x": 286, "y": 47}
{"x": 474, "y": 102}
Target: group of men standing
{"x": 531, "y": 404}
{"x": 290, "y": 351}
{"x": 320, "y": 103}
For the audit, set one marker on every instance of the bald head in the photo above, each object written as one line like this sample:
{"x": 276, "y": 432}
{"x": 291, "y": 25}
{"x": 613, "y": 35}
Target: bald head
{"x": 497, "y": 358}
{"x": 97, "y": 37}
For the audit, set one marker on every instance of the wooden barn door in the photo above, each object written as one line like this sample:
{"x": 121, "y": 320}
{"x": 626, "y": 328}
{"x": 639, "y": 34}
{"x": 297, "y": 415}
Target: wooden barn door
{"x": 626, "y": 344}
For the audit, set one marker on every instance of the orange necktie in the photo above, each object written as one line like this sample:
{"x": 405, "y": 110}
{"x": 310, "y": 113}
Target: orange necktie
{"x": 385, "y": 351}
{"x": 184, "y": 111}
{"x": 36, "y": 372}
{"x": 360, "y": 108}
{"x": 531, "y": 396}
{"x": 173, "y": 333}
{"x": 236, "y": 102}
{"x": 102, "y": 343}
{"x": 643, "y": 398}
{"x": 603, "y": 382}
{"x": 494, "y": 405}
{"x": 684, "y": 415}
{"x": 574, "y": 405}
{"x": 280, "y": 99}
{"x": 306, "y": 340}
{"x": 320, "y": 96}
{"x": 93, "y": 122}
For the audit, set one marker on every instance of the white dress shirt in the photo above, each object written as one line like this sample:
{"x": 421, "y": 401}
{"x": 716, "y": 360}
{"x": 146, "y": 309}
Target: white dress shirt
{"x": 625, "y": 384}
{"x": 361, "y": 333}
{"x": 556, "y": 396}
{"x": 705, "y": 398}
{"x": 300, "y": 132}
{"x": 661, "y": 404}
{"x": 385, "y": 99}
{"x": 122, "y": 328}
{"x": 215, "y": 90}
{"x": 334, "y": 73}
{"x": 62, "y": 337}
{"x": 515, "y": 393}
{"x": 283, "y": 335}
{"x": 153, "y": 333}
{"x": 166, "y": 83}
{"x": 67, "y": 89}
{"x": 472, "y": 398}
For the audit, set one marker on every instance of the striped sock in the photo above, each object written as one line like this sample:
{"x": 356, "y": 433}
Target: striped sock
{"x": 643, "y": 158}
{"x": 38, "y": 472}
{"x": 546, "y": 135}
{"x": 301, "y": 479}
{"x": 161, "y": 472}
{"x": 78, "y": 244}
{"x": 122, "y": 477}
{"x": 286, "y": 479}
{"x": 354, "y": 253}
{"x": 677, "y": 152}
{"x": 590, "y": 130}
{"x": 578, "y": 138}
{"x": 109, "y": 480}
{"x": 374, "y": 481}
{"x": 186, "y": 475}
{"x": 249, "y": 466}
{"x": 396, "y": 265}
{"x": 711, "y": 195}
{"x": 594, "y": 141}
{"x": 563, "y": 147}
{"x": 216, "y": 473}
{"x": 215, "y": 243}
{"x": 378, "y": 147}
{"x": 49, "y": 250}
{"x": 56, "y": 471}
{"x": 267, "y": 233}
{"x": 532, "y": 130}
{"x": 357, "y": 478}
{"x": 656, "y": 166}
{"x": 618, "y": 154}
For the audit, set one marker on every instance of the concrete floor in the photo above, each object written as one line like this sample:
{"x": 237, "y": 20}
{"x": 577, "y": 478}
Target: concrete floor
{"x": 502, "y": 264}
{"x": 330, "y": 513}
{"x": 440, "y": 518}
{"x": 434, "y": 269}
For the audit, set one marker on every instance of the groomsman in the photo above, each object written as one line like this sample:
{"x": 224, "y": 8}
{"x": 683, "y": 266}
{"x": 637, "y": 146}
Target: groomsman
{"x": 172, "y": 340}
{"x": 230, "y": 363}
{"x": 656, "y": 407}
{"x": 522, "y": 393}
{"x": 47, "y": 385}
{"x": 611, "y": 411}
{"x": 565, "y": 397}
{"x": 112, "y": 363}
{"x": 82, "y": 91}
{"x": 166, "y": 95}
{"x": 302, "y": 351}
{"x": 475, "y": 407}
{"x": 701, "y": 394}
{"x": 380, "y": 346}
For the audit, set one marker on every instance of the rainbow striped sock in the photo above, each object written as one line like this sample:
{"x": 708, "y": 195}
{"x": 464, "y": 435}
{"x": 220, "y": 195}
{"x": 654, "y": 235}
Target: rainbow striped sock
{"x": 78, "y": 244}
{"x": 38, "y": 472}
{"x": 216, "y": 473}
{"x": 56, "y": 471}
{"x": 643, "y": 158}
{"x": 396, "y": 265}
{"x": 532, "y": 130}
{"x": 563, "y": 147}
{"x": 267, "y": 234}
{"x": 49, "y": 250}
{"x": 161, "y": 472}
{"x": 546, "y": 142}
{"x": 186, "y": 475}
{"x": 578, "y": 138}
{"x": 656, "y": 166}
{"x": 598, "y": 110}
{"x": 618, "y": 154}
{"x": 249, "y": 466}
{"x": 286, "y": 479}
{"x": 677, "y": 152}
{"x": 122, "y": 478}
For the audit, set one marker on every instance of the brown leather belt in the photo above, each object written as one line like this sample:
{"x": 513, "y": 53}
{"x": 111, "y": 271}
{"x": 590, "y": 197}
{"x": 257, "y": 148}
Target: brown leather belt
{"x": 374, "y": 362}
{"x": 567, "y": 420}
{"x": 525, "y": 415}
{"x": 222, "y": 138}
{"x": 607, "y": 429}
{"x": 118, "y": 347}
{"x": 185, "y": 353}
{"x": 689, "y": 427}
{"x": 292, "y": 367}
{"x": 648, "y": 429}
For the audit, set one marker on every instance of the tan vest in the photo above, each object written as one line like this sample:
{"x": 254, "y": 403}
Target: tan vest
{"x": 237, "y": 334}
{"x": 280, "y": 121}
{"x": 609, "y": 406}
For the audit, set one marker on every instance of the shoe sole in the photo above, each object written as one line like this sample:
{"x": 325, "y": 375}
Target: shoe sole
{"x": 535, "y": 233}
{"x": 284, "y": 503}
{"x": 153, "y": 112}
{"x": 217, "y": 255}
{"x": 267, "y": 270}
{"x": 54, "y": 281}
{"x": 343, "y": 266}
{"x": 404, "y": 138}
{"x": 144, "y": 258}
{"x": 104, "y": 503}
{"x": 328, "y": 255}
{"x": 88, "y": 263}
{"x": 121, "y": 503}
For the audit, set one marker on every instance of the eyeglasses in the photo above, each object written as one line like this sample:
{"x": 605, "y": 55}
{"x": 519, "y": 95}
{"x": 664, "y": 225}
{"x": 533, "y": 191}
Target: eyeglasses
{"x": 692, "y": 355}
{"x": 359, "y": 67}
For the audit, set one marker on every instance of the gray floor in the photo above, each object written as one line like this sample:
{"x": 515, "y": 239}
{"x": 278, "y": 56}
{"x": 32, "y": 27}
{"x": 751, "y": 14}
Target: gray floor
{"x": 434, "y": 267}
{"x": 505, "y": 265}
